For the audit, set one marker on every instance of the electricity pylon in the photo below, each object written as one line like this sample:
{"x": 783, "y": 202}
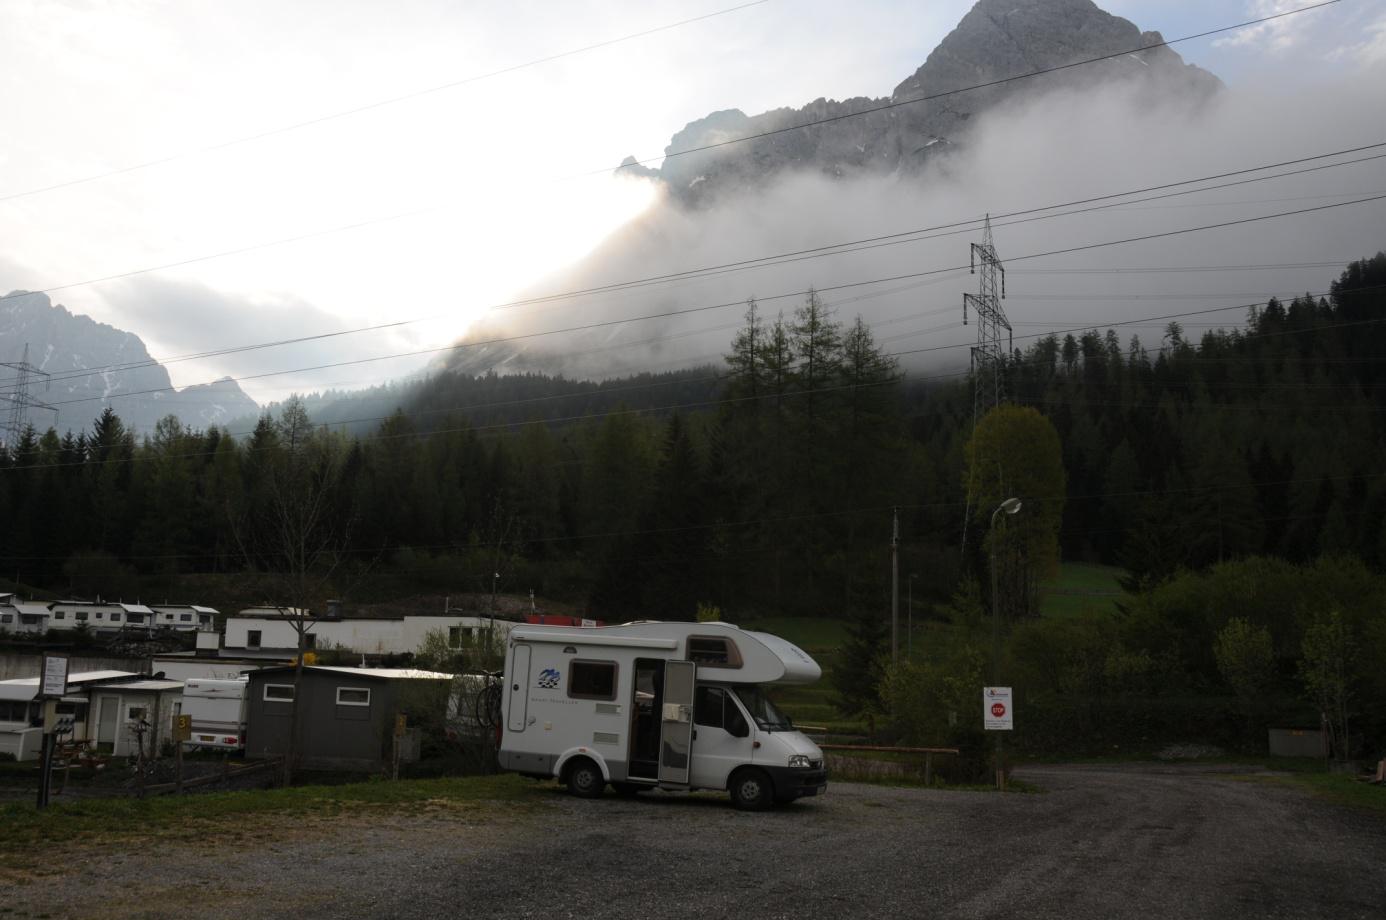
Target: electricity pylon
{"x": 20, "y": 400}
{"x": 988, "y": 360}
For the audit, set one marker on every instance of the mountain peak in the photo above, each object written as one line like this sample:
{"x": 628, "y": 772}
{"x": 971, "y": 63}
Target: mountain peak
{"x": 92, "y": 365}
{"x": 996, "y": 41}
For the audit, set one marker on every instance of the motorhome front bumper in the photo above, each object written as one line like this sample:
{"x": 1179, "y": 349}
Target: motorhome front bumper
{"x": 797, "y": 781}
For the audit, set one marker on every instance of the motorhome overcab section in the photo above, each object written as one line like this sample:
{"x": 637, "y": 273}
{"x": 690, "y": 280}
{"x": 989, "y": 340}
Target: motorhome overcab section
{"x": 650, "y": 704}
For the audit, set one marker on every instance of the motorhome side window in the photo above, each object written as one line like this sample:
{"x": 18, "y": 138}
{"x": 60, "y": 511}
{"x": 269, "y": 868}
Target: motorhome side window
{"x": 714, "y": 652}
{"x": 713, "y": 707}
{"x": 707, "y": 707}
{"x": 592, "y": 680}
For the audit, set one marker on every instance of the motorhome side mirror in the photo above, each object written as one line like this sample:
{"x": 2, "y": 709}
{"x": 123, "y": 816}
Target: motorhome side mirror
{"x": 738, "y": 729}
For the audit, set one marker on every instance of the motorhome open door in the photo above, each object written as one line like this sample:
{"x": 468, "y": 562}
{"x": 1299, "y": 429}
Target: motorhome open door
{"x": 518, "y": 707}
{"x": 676, "y": 722}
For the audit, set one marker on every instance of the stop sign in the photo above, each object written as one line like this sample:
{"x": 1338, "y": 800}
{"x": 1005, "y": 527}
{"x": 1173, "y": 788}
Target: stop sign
{"x": 998, "y": 709}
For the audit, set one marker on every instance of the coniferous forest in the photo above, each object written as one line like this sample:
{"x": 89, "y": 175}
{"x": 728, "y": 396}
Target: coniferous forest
{"x": 767, "y": 487}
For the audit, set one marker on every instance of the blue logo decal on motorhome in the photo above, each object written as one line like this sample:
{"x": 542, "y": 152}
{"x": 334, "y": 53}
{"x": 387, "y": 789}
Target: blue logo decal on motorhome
{"x": 548, "y": 678}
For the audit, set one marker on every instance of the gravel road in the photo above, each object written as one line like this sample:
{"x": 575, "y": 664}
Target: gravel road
{"x": 1098, "y": 842}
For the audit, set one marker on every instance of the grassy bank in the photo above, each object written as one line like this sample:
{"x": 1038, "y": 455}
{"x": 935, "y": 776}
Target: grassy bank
{"x": 194, "y": 816}
{"x": 1341, "y": 790}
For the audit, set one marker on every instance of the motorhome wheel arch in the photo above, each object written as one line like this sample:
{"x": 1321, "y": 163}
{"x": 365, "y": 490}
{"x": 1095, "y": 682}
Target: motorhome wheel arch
{"x": 652, "y": 704}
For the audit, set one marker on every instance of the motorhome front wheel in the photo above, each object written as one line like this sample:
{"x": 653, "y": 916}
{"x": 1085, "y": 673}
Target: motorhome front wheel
{"x": 751, "y": 790}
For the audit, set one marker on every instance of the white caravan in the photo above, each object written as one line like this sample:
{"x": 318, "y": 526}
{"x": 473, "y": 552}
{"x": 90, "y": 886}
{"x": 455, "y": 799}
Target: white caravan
{"x": 217, "y": 708}
{"x": 666, "y": 705}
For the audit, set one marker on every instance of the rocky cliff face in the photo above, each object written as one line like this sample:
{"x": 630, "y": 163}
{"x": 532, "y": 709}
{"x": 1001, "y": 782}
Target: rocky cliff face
{"x": 996, "y": 40}
{"x": 92, "y": 365}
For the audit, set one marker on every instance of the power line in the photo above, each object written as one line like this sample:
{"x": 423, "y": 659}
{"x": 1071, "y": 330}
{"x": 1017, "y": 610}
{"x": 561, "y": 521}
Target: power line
{"x": 393, "y": 100}
{"x": 822, "y": 290}
{"x": 705, "y": 271}
{"x": 510, "y": 425}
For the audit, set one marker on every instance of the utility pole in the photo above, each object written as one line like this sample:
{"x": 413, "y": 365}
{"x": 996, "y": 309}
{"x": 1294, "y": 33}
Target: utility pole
{"x": 895, "y": 589}
{"x": 20, "y": 400}
{"x": 988, "y": 359}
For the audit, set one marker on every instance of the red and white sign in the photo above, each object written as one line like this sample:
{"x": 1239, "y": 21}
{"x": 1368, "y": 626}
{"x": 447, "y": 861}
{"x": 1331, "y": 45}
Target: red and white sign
{"x": 997, "y": 712}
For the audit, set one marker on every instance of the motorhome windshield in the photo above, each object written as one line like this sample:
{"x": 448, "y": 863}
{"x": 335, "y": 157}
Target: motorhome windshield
{"x": 766, "y": 716}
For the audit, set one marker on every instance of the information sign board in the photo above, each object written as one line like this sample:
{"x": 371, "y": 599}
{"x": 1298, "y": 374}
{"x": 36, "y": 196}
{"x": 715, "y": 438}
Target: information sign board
{"x": 997, "y": 712}
{"x": 53, "y": 680}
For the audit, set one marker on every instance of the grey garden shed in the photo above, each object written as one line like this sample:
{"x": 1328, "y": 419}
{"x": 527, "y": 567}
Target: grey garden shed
{"x": 347, "y": 715}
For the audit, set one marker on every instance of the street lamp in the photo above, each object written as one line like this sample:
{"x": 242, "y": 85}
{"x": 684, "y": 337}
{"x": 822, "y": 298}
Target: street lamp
{"x": 1009, "y": 506}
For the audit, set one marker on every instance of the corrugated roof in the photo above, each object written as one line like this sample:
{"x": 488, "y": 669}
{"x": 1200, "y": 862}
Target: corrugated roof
{"x": 24, "y": 688}
{"x": 141, "y": 685}
{"x": 381, "y": 673}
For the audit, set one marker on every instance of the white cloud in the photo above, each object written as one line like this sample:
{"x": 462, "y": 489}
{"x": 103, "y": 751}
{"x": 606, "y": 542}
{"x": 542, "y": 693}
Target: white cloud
{"x": 1276, "y": 35}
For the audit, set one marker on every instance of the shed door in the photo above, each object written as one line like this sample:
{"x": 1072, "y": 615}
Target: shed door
{"x": 108, "y": 714}
{"x": 519, "y": 687}
{"x": 676, "y": 722}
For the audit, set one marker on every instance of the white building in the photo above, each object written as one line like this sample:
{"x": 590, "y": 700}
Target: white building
{"x": 21, "y": 727}
{"x": 99, "y": 614}
{"x": 184, "y": 617}
{"x": 108, "y": 617}
{"x": 20, "y": 617}
{"x": 269, "y": 628}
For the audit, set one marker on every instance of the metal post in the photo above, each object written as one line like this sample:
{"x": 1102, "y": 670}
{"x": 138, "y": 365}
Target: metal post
{"x": 996, "y": 646}
{"x": 895, "y": 589}
{"x": 1010, "y": 506}
{"x": 909, "y": 619}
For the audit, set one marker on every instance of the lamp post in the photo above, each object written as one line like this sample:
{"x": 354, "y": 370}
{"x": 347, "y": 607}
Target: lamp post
{"x": 1009, "y": 506}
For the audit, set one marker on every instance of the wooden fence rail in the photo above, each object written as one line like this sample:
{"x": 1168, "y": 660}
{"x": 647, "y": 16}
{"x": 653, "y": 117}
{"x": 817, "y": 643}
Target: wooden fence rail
{"x": 928, "y": 753}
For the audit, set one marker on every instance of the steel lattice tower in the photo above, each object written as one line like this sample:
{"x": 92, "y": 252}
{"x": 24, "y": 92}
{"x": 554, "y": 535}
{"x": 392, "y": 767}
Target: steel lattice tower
{"x": 988, "y": 358}
{"x": 20, "y": 400}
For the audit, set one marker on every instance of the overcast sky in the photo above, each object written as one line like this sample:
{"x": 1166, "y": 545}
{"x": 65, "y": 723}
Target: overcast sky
{"x": 469, "y": 193}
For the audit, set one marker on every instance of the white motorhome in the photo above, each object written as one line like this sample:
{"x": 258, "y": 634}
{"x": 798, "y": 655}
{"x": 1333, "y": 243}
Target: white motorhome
{"x": 217, "y": 709}
{"x": 666, "y": 705}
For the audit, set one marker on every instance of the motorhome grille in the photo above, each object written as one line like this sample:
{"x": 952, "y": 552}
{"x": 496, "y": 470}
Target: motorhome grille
{"x": 605, "y": 738}
{"x": 608, "y": 709}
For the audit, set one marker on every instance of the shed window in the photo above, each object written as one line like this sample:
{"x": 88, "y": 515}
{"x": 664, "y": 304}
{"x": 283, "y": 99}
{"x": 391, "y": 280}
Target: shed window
{"x": 279, "y": 693}
{"x": 714, "y": 652}
{"x": 135, "y": 713}
{"x": 252, "y": 638}
{"x": 592, "y": 680}
{"x": 353, "y": 696}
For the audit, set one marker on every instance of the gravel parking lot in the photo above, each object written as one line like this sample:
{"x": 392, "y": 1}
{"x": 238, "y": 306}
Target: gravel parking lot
{"x": 1098, "y": 842}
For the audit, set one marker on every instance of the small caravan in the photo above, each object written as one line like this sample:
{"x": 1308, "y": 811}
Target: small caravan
{"x": 216, "y": 708}
{"x": 657, "y": 705}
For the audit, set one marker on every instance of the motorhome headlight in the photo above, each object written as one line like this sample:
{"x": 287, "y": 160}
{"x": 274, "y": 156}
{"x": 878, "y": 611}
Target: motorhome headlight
{"x": 799, "y": 760}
